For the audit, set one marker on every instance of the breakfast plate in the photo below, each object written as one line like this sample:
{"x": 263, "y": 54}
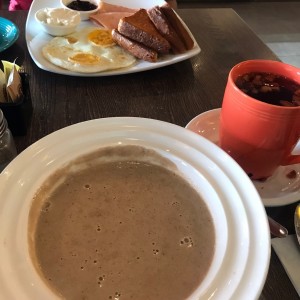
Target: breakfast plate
{"x": 9, "y": 33}
{"x": 242, "y": 238}
{"x": 36, "y": 39}
{"x": 282, "y": 188}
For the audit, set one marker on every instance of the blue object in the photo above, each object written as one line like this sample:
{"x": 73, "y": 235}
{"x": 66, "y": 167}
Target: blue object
{"x": 9, "y": 33}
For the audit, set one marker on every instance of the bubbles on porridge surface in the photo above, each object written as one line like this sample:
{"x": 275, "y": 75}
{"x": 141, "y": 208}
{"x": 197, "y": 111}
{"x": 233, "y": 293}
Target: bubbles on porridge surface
{"x": 187, "y": 242}
{"x": 100, "y": 280}
{"x": 131, "y": 209}
{"x": 87, "y": 186}
{"x": 155, "y": 251}
{"x": 116, "y": 296}
{"x": 46, "y": 206}
{"x": 98, "y": 228}
{"x": 73, "y": 254}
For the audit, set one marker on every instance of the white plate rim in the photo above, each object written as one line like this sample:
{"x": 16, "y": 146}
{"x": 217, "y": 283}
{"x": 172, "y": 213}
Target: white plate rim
{"x": 36, "y": 38}
{"x": 252, "y": 278}
{"x": 279, "y": 200}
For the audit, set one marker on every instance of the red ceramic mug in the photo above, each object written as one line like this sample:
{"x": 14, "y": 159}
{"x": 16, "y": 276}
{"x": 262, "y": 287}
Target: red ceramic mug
{"x": 258, "y": 135}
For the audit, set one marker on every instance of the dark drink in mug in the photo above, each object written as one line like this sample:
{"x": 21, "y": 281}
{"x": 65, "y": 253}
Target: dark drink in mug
{"x": 270, "y": 88}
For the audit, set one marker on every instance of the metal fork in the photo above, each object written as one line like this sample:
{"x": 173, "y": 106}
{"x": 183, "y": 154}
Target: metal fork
{"x": 297, "y": 222}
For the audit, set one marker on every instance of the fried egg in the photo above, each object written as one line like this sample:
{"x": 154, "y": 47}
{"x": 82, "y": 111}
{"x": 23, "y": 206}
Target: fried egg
{"x": 88, "y": 50}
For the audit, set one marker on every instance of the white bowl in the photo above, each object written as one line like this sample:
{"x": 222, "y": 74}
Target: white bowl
{"x": 83, "y": 14}
{"x": 242, "y": 249}
{"x": 58, "y": 21}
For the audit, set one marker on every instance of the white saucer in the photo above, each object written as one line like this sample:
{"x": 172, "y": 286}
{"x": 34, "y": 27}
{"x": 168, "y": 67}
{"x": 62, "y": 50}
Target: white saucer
{"x": 275, "y": 191}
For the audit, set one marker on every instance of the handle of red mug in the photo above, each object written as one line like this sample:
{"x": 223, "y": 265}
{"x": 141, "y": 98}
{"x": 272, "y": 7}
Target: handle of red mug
{"x": 293, "y": 159}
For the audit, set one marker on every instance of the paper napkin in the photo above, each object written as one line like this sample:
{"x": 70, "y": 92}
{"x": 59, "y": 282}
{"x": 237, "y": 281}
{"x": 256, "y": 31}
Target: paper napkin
{"x": 10, "y": 82}
{"x": 288, "y": 251}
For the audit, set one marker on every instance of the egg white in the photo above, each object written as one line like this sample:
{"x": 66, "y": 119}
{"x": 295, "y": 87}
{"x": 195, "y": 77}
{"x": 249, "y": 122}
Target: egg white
{"x": 79, "y": 52}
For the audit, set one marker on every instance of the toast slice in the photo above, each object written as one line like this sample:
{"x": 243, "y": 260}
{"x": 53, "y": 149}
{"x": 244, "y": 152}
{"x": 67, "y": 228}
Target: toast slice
{"x": 139, "y": 27}
{"x": 165, "y": 28}
{"x": 178, "y": 26}
{"x": 138, "y": 50}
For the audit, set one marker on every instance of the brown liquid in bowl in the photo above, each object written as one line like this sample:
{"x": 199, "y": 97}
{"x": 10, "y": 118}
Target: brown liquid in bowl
{"x": 120, "y": 230}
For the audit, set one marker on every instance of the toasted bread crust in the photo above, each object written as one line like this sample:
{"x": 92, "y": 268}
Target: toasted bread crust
{"x": 139, "y": 27}
{"x": 178, "y": 26}
{"x": 138, "y": 50}
{"x": 165, "y": 28}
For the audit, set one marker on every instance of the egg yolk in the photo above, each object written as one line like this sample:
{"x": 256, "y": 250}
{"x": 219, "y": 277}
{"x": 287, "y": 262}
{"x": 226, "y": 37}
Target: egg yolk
{"x": 71, "y": 40}
{"x": 85, "y": 58}
{"x": 101, "y": 37}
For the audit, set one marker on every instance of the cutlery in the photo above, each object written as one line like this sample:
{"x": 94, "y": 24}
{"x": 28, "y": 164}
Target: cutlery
{"x": 297, "y": 222}
{"x": 277, "y": 229}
